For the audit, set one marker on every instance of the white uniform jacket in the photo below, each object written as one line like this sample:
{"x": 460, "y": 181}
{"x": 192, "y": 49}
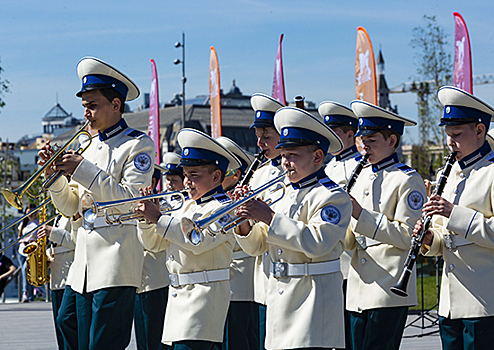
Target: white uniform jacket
{"x": 466, "y": 239}
{"x": 194, "y": 311}
{"x": 308, "y": 228}
{"x": 392, "y": 196}
{"x": 261, "y": 176}
{"x": 114, "y": 167}
{"x": 339, "y": 169}
{"x": 63, "y": 253}
{"x": 154, "y": 272}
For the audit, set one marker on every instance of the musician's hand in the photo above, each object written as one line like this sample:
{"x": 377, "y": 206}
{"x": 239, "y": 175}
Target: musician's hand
{"x": 356, "y": 208}
{"x": 45, "y": 154}
{"x": 428, "y": 187}
{"x": 244, "y": 228}
{"x": 240, "y": 192}
{"x": 428, "y": 237}
{"x": 256, "y": 209}
{"x": 438, "y": 206}
{"x": 44, "y": 231}
{"x": 68, "y": 162}
{"x": 149, "y": 209}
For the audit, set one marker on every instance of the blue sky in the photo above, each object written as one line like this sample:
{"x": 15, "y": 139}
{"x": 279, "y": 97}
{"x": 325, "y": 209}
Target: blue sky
{"x": 41, "y": 43}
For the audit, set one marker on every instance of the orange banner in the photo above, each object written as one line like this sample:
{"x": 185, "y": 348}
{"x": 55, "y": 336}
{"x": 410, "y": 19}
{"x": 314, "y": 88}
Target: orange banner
{"x": 214, "y": 94}
{"x": 365, "y": 69}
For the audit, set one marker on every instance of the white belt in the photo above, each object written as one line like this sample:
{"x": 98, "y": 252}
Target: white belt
{"x": 60, "y": 249}
{"x": 205, "y": 276}
{"x": 100, "y": 222}
{"x": 281, "y": 269}
{"x": 240, "y": 255}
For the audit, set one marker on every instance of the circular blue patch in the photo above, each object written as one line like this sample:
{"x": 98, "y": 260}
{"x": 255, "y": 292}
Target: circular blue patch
{"x": 142, "y": 162}
{"x": 331, "y": 214}
{"x": 415, "y": 200}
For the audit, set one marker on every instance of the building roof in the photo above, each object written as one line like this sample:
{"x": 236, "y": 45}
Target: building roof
{"x": 56, "y": 113}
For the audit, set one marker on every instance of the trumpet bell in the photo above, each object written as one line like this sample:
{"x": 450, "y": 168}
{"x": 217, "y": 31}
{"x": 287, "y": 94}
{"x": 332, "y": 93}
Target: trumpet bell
{"x": 13, "y": 198}
{"x": 191, "y": 231}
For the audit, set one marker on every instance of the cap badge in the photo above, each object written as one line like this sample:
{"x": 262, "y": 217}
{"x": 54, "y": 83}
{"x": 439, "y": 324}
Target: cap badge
{"x": 84, "y": 80}
{"x": 327, "y": 118}
{"x": 186, "y": 152}
{"x": 285, "y": 132}
{"x": 361, "y": 121}
{"x": 448, "y": 109}
{"x": 258, "y": 114}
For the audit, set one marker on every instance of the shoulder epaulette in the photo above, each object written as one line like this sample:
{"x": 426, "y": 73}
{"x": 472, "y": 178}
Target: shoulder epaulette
{"x": 490, "y": 158}
{"x": 134, "y": 133}
{"x": 405, "y": 168}
{"x": 329, "y": 184}
{"x": 222, "y": 198}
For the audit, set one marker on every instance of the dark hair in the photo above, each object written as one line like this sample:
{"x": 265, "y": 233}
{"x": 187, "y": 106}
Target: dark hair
{"x": 347, "y": 128}
{"x": 25, "y": 221}
{"x": 388, "y": 133}
{"x": 212, "y": 168}
{"x": 111, "y": 94}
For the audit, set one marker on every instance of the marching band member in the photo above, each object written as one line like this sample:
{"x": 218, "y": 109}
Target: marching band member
{"x": 242, "y": 319}
{"x": 462, "y": 227}
{"x": 267, "y": 140}
{"x": 344, "y": 123}
{"x": 152, "y": 295}
{"x": 63, "y": 256}
{"x": 199, "y": 294}
{"x": 108, "y": 259}
{"x": 174, "y": 174}
{"x": 305, "y": 239}
{"x": 387, "y": 200}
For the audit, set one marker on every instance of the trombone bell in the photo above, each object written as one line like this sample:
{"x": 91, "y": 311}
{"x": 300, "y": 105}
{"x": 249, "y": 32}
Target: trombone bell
{"x": 13, "y": 198}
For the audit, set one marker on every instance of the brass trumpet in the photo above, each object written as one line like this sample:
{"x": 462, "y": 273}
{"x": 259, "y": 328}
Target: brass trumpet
{"x": 14, "y": 197}
{"x": 193, "y": 229}
{"x": 95, "y": 208}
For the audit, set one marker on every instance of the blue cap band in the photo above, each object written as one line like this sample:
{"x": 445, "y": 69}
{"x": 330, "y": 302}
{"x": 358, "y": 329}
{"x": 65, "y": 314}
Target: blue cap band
{"x": 459, "y": 115}
{"x": 371, "y": 125}
{"x": 263, "y": 119}
{"x": 98, "y": 81}
{"x": 173, "y": 169}
{"x": 200, "y": 156}
{"x": 340, "y": 120}
{"x": 296, "y": 137}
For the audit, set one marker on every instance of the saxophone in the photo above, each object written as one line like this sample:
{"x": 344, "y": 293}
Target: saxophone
{"x": 37, "y": 259}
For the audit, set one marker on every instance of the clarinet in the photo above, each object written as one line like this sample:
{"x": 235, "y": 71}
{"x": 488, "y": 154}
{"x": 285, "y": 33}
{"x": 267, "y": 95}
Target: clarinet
{"x": 253, "y": 167}
{"x": 401, "y": 287}
{"x": 356, "y": 172}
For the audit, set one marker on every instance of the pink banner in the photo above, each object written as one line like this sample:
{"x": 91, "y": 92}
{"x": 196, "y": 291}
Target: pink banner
{"x": 462, "y": 71}
{"x": 154, "y": 114}
{"x": 278, "y": 80}
{"x": 214, "y": 94}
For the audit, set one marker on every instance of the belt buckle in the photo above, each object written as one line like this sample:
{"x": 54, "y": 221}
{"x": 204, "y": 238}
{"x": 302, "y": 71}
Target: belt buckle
{"x": 174, "y": 280}
{"x": 361, "y": 242}
{"x": 280, "y": 269}
{"x": 449, "y": 242}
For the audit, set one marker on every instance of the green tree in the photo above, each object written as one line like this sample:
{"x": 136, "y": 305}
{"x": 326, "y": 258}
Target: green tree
{"x": 434, "y": 70}
{"x": 4, "y": 87}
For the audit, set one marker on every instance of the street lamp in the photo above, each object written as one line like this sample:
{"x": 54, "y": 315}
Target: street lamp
{"x": 184, "y": 79}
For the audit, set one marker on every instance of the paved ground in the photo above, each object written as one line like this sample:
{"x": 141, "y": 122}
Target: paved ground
{"x": 30, "y": 327}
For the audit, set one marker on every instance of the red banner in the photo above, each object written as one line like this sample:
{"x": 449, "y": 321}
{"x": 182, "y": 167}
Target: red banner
{"x": 154, "y": 114}
{"x": 462, "y": 70}
{"x": 214, "y": 94}
{"x": 278, "y": 80}
{"x": 365, "y": 69}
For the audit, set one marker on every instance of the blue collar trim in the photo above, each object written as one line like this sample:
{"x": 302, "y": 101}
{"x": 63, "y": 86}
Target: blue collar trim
{"x": 210, "y": 195}
{"x": 310, "y": 180}
{"x": 276, "y": 162}
{"x": 351, "y": 152}
{"x": 386, "y": 162}
{"x": 113, "y": 130}
{"x": 474, "y": 157}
